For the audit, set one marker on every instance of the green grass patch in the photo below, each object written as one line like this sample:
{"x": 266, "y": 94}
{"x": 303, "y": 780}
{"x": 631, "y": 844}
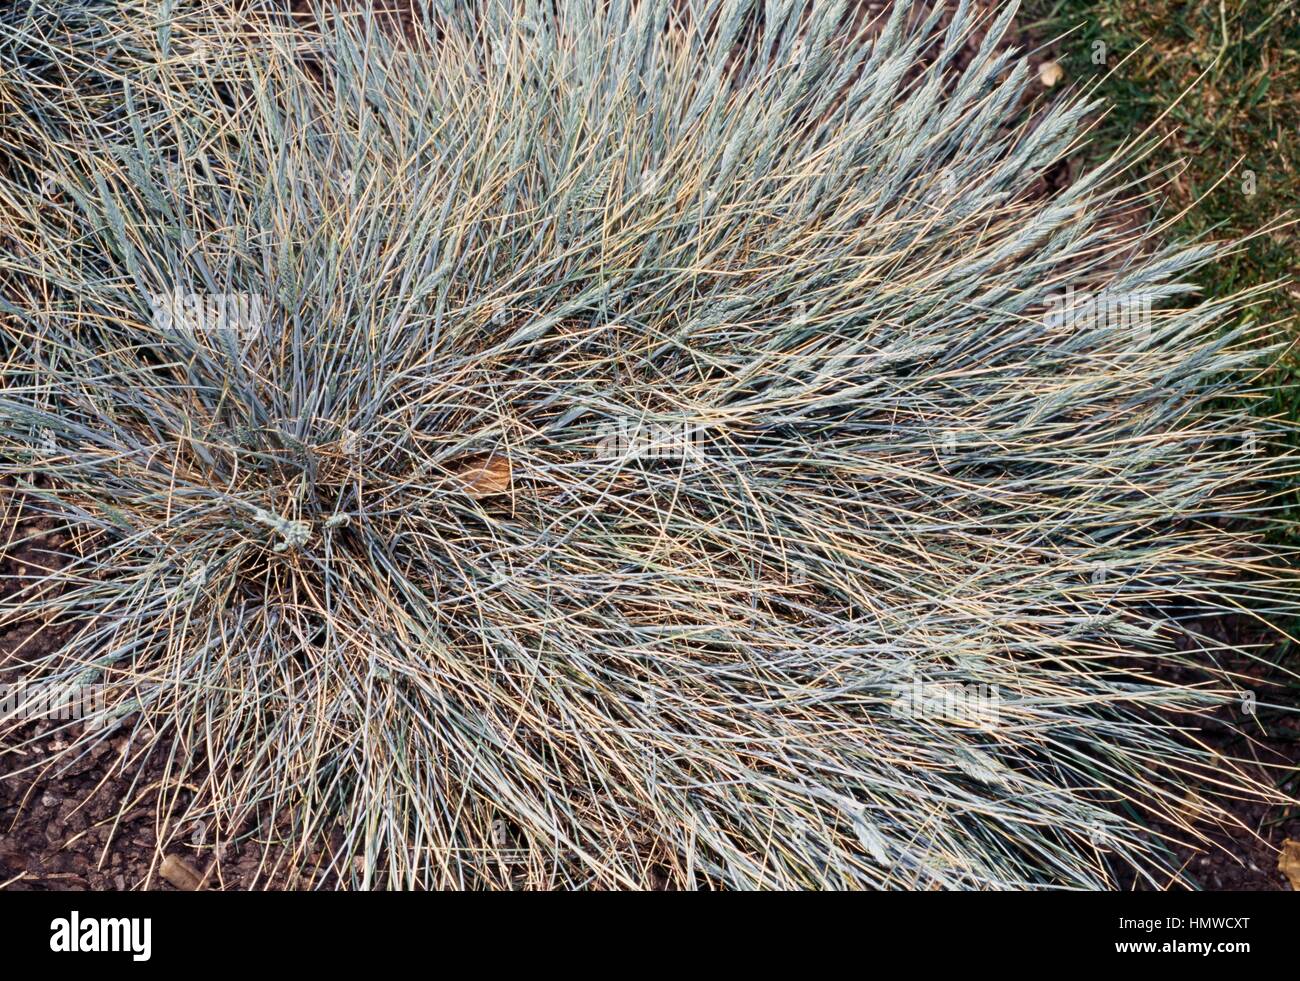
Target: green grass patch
{"x": 1218, "y": 82}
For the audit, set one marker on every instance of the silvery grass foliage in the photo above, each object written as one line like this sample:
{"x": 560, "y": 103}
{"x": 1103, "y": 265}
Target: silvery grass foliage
{"x": 368, "y": 577}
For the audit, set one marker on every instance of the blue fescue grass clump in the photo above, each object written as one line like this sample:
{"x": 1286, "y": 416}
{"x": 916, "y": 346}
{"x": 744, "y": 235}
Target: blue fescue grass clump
{"x": 617, "y": 444}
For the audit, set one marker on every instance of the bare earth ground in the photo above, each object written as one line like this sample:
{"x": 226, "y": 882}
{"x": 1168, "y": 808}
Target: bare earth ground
{"x": 94, "y": 825}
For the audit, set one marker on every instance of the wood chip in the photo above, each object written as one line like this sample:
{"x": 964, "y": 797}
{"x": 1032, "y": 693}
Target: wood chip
{"x": 484, "y": 476}
{"x": 181, "y": 873}
{"x": 1288, "y": 862}
{"x": 1050, "y": 73}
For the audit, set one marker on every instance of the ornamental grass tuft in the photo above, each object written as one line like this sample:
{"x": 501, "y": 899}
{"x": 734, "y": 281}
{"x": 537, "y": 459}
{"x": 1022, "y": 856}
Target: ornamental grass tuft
{"x": 619, "y": 444}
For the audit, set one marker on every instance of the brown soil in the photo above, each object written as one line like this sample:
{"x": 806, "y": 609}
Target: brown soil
{"x": 1246, "y": 857}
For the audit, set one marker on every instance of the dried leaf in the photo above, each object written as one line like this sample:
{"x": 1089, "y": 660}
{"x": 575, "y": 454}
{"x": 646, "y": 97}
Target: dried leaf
{"x": 484, "y": 476}
{"x": 1288, "y": 862}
